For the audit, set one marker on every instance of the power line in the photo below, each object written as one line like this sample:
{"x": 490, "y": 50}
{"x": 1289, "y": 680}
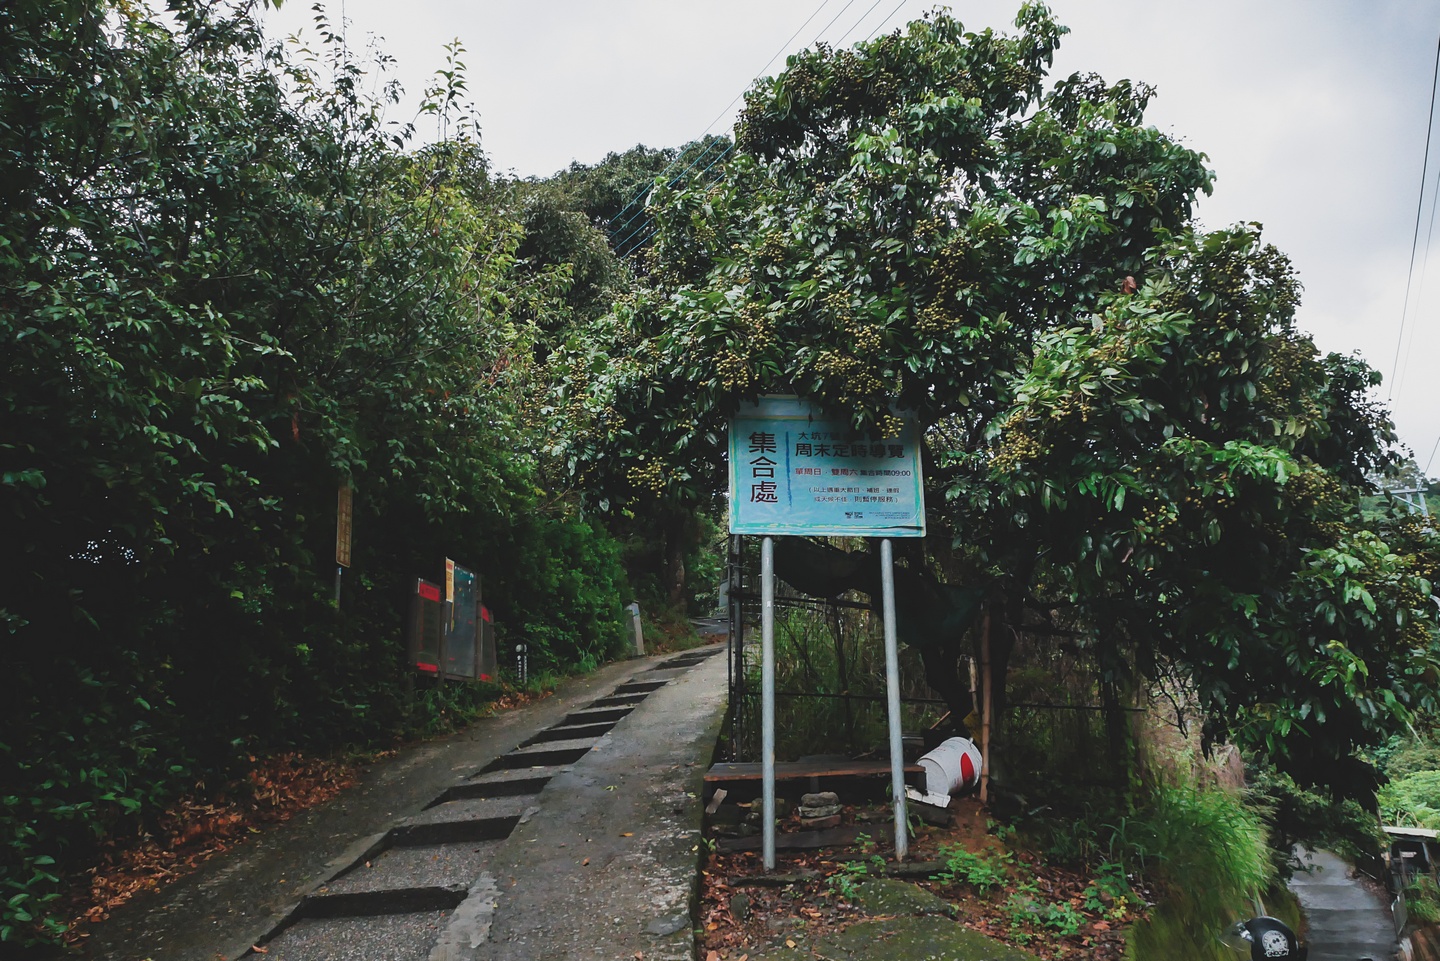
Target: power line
{"x": 832, "y": 20}
{"x": 888, "y": 18}
{"x": 646, "y": 223}
{"x": 1432, "y": 457}
{"x": 642, "y": 229}
{"x": 1419, "y": 207}
{"x": 1420, "y": 288}
{"x": 640, "y": 211}
{"x": 641, "y": 242}
{"x": 858, "y": 22}
{"x": 783, "y": 47}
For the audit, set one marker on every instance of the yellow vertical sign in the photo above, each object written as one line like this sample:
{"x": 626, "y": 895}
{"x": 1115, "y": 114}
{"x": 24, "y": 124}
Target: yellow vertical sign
{"x": 343, "y": 513}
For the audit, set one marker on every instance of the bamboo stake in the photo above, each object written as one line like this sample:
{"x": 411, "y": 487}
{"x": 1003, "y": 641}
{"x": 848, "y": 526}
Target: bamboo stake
{"x": 985, "y": 715}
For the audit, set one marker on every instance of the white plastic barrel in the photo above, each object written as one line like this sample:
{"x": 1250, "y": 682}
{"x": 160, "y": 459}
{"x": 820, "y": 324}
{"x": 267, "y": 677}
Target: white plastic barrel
{"x": 951, "y": 767}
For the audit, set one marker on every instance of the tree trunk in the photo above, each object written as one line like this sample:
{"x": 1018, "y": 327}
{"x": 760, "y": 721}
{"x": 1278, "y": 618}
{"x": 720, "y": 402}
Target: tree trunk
{"x": 678, "y": 533}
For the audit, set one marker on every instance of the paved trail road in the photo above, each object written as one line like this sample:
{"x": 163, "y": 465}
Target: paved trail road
{"x": 568, "y": 831}
{"x": 1347, "y": 920}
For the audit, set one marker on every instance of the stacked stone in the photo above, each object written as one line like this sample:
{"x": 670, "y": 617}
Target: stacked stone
{"x": 819, "y": 811}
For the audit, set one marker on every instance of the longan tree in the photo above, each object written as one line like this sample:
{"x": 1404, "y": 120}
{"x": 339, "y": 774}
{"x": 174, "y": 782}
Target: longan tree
{"x": 1128, "y": 442}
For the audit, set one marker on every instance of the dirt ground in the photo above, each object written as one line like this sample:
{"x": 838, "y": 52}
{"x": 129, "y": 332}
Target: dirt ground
{"x": 1047, "y": 911}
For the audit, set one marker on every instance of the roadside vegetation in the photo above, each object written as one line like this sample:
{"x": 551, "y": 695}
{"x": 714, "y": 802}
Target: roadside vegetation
{"x": 1089, "y": 847}
{"x": 1411, "y": 798}
{"x": 232, "y": 282}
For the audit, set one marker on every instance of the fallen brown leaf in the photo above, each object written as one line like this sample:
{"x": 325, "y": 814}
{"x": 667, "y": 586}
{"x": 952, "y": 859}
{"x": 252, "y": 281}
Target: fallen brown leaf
{"x": 197, "y": 827}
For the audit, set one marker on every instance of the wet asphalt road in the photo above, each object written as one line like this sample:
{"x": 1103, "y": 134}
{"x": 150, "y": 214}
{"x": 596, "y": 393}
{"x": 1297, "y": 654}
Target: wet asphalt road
{"x": 568, "y": 831}
{"x": 1347, "y": 919}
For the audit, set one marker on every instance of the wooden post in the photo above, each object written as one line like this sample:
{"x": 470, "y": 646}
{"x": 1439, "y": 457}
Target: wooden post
{"x": 344, "y": 512}
{"x": 844, "y": 670}
{"x": 985, "y": 715}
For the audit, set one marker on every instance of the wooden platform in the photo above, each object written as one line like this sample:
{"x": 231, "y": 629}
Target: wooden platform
{"x": 841, "y": 837}
{"x": 852, "y": 780}
{"x": 795, "y": 770}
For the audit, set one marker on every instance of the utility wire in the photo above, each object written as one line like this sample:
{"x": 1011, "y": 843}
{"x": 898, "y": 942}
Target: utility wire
{"x": 1432, "y": 457}
{"x": 641, "y": 242}
{"x": 640, "y": 211}
{"x": 646, "y": 223}
{"x": 1419, "y": 207}
{"x": 650, "y": 233}
{"x": 721, "y": 115}
{"x": 832, "y": 20}
{"x": 858, "y": 22}
{"x": 1420, "y": 287}
{"x": 888, "y": 18}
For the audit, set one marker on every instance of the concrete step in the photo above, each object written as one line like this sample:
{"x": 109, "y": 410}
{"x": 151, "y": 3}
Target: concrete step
{"x": 596, "y": 715}
{"x": 620, "y": 700}
{"x": 639, "y": 687}
{"x": 454, "y": 822}
{"x": 571, "y": 732}
{"x": 453, "y": 865}
{"x": 503, "y": 783}
{"x": 406, "y": 936}
{"x": 550, "y": 754}
{"x": 1345, "y": 919}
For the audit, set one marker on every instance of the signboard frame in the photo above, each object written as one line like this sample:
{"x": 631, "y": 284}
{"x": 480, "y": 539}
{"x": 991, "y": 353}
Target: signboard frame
{"x": 426, "y": 627}
{"x": 846, "y": 484}
{"x": 795, "y": 471}
{"x": 462, "y": 634}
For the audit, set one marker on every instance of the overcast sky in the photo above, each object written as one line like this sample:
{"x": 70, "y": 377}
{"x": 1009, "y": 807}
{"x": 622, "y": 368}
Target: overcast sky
{"x": 1313, "y": 114}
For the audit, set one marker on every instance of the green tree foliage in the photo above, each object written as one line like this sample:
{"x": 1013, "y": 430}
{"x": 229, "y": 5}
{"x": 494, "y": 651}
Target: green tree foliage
{"x": 1162, "y": 470}
{"x": 579, "y": 222}
{"x": 1193, "y": 469}
{"x": 559, "y": 236}
{"x": 227, "y": 288}
{"x": 612, "y": 193}
{"x": 583, "y": 228}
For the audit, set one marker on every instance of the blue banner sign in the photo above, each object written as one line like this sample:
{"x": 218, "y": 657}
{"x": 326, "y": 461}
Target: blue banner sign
{"x": 795, "y": 472}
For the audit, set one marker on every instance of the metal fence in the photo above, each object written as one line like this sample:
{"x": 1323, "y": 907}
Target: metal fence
{"x": 830, "y": 672}
{"x": 830, "y": 690}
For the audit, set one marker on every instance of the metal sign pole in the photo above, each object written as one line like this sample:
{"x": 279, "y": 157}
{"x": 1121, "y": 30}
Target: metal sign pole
{"x": 892, "y": 698}
{"x": 767, "y": 698}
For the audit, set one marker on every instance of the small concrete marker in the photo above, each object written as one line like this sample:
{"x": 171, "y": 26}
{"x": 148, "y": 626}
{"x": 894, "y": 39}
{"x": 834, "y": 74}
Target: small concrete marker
{"x": 664, "y": 927}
